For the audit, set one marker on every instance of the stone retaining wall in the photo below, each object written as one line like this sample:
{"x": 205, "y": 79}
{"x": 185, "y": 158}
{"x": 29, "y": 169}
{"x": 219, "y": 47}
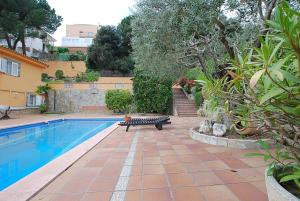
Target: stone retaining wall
{"x": 76, "y": 100}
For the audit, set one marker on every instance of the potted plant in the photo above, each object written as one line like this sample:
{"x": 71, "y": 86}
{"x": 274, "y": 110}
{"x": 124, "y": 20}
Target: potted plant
{"x": 271, "y": 85}
{"x": 127, "y": 118}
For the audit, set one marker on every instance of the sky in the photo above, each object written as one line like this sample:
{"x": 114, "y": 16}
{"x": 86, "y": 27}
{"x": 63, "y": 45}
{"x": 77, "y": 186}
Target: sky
{"x": 99, "y": 12}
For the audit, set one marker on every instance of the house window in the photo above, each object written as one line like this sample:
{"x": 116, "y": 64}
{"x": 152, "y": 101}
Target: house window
{"x": 9, "y": 67}
{"x": 33, "y": 100}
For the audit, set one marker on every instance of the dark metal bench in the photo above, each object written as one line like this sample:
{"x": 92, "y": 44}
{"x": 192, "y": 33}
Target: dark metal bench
{"x": 158, "y": 122}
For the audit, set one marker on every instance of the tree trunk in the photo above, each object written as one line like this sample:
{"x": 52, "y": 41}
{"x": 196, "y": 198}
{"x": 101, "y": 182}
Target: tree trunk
{"x": 202, "y": 64}
{"x": 222, "y": 37}
{"x": 8, "y": 40}
{"x": 23, "y": 45}
{"x": 268, "y": 13}
{"x": 15, "y": 43}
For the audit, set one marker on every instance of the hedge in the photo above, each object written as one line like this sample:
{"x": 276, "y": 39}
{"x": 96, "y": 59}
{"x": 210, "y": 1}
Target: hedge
{"x": 152, "y": 94}
{"x": 118, "y": 100}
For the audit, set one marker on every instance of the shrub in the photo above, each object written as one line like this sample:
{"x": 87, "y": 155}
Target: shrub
{"x": 152, "y": 94}
{"x": 118, "y": 100}
{"x": 193, "y": 73}
{"x": 198, "y": 98}
{"x": 59, "y": 74}
{"x": 90, "y": 76}
{"x": 62, "y": 50}
{"x": 45, "y": 77}
{"x": 43, "y": 108}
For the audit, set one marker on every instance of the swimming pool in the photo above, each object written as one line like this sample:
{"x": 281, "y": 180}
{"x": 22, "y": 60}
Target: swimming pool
{"x": 24, "y": 149}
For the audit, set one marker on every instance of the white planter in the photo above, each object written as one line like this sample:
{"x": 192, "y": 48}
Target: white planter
{"x": 276, "y": 192}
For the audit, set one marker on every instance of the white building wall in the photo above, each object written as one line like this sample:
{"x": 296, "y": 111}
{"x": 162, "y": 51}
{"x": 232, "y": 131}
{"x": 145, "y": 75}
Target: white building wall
{"x": 76, "y": 42}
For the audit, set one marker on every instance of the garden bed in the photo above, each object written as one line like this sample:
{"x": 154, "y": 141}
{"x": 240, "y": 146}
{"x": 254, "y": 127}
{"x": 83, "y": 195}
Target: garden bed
{"x": 233, "y": 141}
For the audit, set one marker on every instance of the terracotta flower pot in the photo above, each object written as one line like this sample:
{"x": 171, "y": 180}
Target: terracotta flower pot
{"x": 251, "y": 129}
{"x": 127, "y": 118}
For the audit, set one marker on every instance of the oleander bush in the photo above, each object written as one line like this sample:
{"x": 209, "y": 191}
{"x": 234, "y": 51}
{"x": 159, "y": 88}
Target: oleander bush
{"x": 118, "y": 100}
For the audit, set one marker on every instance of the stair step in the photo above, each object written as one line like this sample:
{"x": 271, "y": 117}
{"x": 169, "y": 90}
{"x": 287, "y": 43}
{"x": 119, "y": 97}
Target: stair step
{"x": 184, "y": 106}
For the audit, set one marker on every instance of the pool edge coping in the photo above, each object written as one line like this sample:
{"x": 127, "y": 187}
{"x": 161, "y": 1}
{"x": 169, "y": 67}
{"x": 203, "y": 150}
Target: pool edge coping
{"x": 30, "y": 185}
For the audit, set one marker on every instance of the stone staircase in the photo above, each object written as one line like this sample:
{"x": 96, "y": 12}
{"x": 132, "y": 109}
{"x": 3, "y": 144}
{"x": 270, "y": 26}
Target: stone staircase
{"x": 183, "y": 107}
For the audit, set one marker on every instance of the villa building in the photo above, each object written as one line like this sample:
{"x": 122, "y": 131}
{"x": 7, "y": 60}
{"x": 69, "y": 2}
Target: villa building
{"x": 35, "y": 47}
{"x": 19, "y": 77}
{"x": 79, "y": 37}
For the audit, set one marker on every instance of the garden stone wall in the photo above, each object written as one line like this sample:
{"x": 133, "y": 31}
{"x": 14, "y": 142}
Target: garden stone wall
{"x": 76, "y": 100}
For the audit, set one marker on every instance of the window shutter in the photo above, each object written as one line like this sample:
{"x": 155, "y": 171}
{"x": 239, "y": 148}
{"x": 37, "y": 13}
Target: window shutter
{"x": 28, "y": 100}
{"x": 9, "y": 67}
{"x": 38, "y": 100}
{"x": 4, "y": 65}
{"x": 19, "y": 70}
{"x": 15, "y": 69}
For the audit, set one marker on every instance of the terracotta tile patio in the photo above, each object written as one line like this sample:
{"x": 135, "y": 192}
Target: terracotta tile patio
{"x": 168, "y": 166}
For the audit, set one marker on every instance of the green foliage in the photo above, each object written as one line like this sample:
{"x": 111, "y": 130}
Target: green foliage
{"x": 266, "y": 85}
{"x": 151, "y": 93}
{"x": 89, "y": 76}
{"x": 198, "y": 98}
{"x": 193, "y": 73}
{"x": 118, "y": 100}
{"x": 62, "y": 50}
{"x": 45, "y": 77}
{"x": 92, "y": 76}
{"x": 59, "y": 74}
{"x": 43, "y": 89}
{"x": 30, "y": 18}
{"x": 43, "y": 108}
{"x": 111, "y": 49}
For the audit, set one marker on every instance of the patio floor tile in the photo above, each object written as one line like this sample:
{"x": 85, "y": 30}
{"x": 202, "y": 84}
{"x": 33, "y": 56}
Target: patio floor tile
{"x": 217, "y": 165}
{"x": 67, "y": 197}
{"x": 229, "y": 177}
{"x": 179, "y": 180}
{"x": 174, "y": 168}
{"x": 99, "y": 196}
{"x": 218, "y": 193}
{"x": 134, "y": 183}
{"x": 153, "y": 169}
{"x": 247, "y": 192}
{"x": 187, "y": 193}
{"x": 157, "y": 195}
{"x": 206, "y": 179}
{"x": 154, "y": 181}
{"x": 133, "y": 195}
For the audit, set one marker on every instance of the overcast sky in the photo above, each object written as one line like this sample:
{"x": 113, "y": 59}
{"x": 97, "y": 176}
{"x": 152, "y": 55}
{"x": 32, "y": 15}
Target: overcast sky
{"x": 99, "y": 12}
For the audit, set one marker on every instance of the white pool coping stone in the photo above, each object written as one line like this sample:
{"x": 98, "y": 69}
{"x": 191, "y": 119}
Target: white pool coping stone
{"x": 227, "y": 142}
{"x": 31, "y": 184}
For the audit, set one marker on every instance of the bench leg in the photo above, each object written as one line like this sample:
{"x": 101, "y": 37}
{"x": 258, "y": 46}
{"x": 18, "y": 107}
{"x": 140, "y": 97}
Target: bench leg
{"x": 5, "y": 115}
{"x": 158, "y": 126}
{"x": 127, "y": 128}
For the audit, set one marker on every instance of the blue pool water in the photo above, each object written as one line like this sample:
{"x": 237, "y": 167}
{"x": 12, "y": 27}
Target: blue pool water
{"x": 24, "y": 149}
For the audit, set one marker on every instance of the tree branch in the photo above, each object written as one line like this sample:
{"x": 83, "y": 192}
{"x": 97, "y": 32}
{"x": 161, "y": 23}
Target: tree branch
{"x": 222, "y": 37}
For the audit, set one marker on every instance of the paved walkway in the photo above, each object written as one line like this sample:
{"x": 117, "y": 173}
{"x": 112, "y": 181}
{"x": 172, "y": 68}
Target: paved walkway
{"x": 150, "y": 165}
